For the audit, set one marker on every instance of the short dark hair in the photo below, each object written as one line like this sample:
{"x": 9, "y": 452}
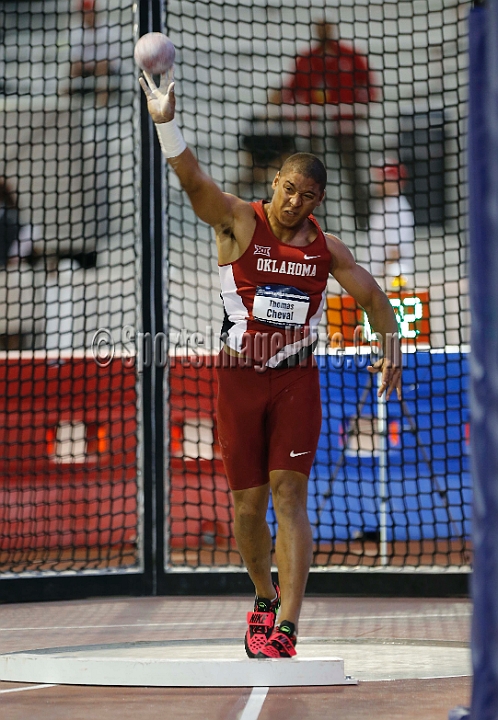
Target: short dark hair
{"x": 307, "y": 165}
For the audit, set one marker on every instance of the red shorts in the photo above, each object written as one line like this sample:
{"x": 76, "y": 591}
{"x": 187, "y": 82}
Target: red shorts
{"x": 268, "y": 420}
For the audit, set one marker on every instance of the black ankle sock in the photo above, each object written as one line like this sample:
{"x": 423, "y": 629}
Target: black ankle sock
{"x": 288, "y": 628}
{"x": 263, "y": 604}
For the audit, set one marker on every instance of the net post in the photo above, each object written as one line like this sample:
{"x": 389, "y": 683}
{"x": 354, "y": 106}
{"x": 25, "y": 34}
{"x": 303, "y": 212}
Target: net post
{"x": 382, "y": 435}
{"x": 152, "y": 231}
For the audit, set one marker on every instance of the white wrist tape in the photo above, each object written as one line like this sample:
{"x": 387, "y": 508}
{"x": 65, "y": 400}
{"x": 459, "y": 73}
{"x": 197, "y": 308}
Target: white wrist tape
{"x": 170, "y": 139}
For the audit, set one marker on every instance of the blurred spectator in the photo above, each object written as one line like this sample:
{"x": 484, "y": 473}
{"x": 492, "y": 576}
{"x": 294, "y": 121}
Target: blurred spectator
{"x": 95, "y": 51}
{"x": 16, "y": 240}
{"x": 93, "y": 60}
{"x": 330, "y": 72}
{"x": 391, "y": 227}
{"x": 9, "y": 222}
{"x": 17, "y": 292}
{"x": 333, "y": 74}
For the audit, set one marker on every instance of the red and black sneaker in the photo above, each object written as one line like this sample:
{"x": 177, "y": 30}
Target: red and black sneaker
{"x": 261, "y": 622}
{"x": 281, "y": 643}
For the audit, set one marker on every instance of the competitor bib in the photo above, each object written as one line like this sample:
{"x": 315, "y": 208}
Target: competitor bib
{"x": 280, "y": 305}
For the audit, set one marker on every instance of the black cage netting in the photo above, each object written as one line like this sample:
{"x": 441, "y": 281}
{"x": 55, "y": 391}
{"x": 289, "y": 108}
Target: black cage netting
{"x": 69, "y": 484}
{"x": 378, "y": 90}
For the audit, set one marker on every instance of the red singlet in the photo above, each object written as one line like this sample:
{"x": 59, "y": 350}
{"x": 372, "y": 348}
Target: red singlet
{"x": 274, "y": 295}
{"x": 269, "y": 410}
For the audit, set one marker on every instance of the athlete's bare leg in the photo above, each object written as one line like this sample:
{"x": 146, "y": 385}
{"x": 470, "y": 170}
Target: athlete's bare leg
{"x": 253, "y": 536}
{"x": 294, "y": 546}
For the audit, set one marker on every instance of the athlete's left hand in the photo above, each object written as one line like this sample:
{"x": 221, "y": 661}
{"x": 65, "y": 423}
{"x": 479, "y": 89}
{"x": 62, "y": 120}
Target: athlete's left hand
{"x": 391, "y": 377}
{"x": 160, "y": 100}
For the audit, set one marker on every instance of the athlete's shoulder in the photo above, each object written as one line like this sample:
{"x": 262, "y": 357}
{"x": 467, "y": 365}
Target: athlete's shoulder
{"x": 237, "y": 203}
{"x": 241, "y": 207}
{"x": 239, "y": 210}
{"x": 258, "y": 207}
{"x": 334, "y": 243}
{"x": 332, "y": 239}
{"x": 341, "y": 255}
{"x": 234, "y": 236}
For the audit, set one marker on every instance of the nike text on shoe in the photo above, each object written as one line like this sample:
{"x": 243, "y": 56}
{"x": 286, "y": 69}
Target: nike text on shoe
{"x": 281, "y": 644}
{"x": 261, "y": 622}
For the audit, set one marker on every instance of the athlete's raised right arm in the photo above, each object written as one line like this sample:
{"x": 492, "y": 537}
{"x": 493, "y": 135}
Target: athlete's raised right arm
{"x": 209, "y": 203}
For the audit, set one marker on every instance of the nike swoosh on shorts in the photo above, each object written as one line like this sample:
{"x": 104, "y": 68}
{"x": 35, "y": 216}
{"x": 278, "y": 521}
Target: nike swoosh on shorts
{"x": 295, "y": 454}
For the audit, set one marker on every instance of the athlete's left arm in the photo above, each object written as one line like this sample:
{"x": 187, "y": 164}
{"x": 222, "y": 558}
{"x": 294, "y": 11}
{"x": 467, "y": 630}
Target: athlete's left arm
{"x": 363, "y": 288}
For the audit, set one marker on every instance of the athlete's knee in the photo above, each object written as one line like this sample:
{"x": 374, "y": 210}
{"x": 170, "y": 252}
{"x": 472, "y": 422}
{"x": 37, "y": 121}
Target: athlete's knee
{"x": 246, "y": 513}
{"x": 250, "y": 505}
{"x": 290, "y": 492}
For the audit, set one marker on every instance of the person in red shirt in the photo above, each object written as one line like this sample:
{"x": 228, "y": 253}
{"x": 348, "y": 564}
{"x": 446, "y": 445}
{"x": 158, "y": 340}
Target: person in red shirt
{"x": 333, "y": 73}
{"x": 330, "y": 72}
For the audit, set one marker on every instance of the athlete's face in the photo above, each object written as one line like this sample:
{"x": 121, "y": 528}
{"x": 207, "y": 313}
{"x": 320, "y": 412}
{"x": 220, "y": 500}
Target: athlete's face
{"x": 294, "y": 198}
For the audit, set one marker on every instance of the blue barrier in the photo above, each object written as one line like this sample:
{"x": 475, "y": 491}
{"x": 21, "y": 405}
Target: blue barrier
{"x": 428, "y": 480}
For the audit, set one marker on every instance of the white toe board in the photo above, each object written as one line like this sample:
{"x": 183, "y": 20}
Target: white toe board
{"x": 80, "y": 668}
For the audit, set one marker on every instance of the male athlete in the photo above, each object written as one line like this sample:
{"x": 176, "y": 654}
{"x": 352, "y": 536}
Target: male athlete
{"x": 274, "y": 261}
